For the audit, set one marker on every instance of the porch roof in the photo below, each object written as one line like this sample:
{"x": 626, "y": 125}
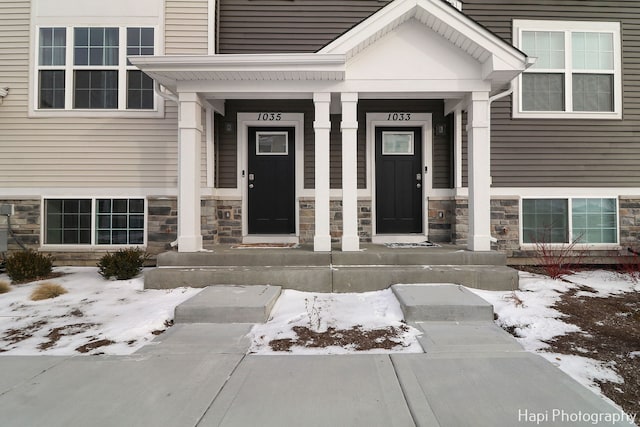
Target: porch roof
{"x": 499, "y": 61}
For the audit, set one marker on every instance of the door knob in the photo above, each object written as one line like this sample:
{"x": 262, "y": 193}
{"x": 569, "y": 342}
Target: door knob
{"x": 250, "y": 185}
{"x": 418, "y": 185}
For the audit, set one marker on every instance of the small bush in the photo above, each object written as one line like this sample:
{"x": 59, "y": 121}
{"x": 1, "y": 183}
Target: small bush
{"x": 629, "y": 266}
{"x": 4, "y": 287}
{"x": 124, "y": 264}
{"x": 46, "y": 291}
{"x": 558, "y": 261}
{"x": 28, "y": 265}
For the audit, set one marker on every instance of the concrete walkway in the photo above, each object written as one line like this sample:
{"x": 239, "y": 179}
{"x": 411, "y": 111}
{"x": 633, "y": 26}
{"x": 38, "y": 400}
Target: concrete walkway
{"x": 196, "y": 374}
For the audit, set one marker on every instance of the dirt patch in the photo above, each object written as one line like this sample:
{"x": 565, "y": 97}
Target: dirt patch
{"x": 64, "y": 331}
{"x": 167, "y": 325}
{"x": 86, "y": 348}
{"x": 610, "y": 333}
{"x": 14, "y": 336}
{"x": 355, "y": 338}
{"x": 52, "y": 275}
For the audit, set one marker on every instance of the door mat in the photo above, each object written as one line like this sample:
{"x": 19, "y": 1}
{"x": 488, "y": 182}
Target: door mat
{"x": 264, "y": 246}
{"x": 425, "y": 244}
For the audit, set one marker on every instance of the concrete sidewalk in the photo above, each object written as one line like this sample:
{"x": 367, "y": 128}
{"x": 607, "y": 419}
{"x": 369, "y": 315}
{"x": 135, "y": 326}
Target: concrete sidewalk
{"x": 199, "y": 374}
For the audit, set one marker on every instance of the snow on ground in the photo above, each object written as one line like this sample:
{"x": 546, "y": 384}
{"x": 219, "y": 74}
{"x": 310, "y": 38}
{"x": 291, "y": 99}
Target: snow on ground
{"x": 529, "y": 314}
{"x": 93, "y": 309}
{"x": 320, "y": 311}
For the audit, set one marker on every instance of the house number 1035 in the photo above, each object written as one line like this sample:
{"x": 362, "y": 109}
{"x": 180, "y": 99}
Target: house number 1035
{"x": 399, "y": 117}
{"x": 270, "y": 117}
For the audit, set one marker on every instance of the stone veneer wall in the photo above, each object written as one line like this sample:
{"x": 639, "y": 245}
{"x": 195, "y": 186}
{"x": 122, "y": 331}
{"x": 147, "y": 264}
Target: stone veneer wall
{"x": 441, "y": 217}
{"x": 505, "y": 224}
{"x": 460, "y": 225}
{"x": 629, "y": 211}
{"x": 25, "y": 223}
{"x": 307, "y": 220}
{"x": 229, "y": 218}
{"x": 162, "y": 224}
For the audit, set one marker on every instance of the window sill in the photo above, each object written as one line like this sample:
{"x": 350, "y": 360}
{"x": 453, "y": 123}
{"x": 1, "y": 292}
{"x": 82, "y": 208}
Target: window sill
{"x": 563, "y": 115}
{"x": 129, "y": 114}
{"x": 577, "y": 247}
{"x": 87, "y": 248}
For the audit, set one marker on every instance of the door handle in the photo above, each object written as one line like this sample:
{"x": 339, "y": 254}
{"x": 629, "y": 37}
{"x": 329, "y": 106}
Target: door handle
{"x": 250, "y": 185}
{"x": 418, "y": 185}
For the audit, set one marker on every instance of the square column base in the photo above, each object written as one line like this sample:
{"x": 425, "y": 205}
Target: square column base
{"x": 322, "y": 244}
{"x": 189, "y": 243}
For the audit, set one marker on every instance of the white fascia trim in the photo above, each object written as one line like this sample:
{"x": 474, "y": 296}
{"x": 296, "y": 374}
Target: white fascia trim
{"x": 520, "y": 25}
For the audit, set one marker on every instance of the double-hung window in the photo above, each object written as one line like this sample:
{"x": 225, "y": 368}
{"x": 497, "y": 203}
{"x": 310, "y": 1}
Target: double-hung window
{"x": 86, "y": 69}
{"x": 577, "y": 72}
{"x": 580, "y": 220}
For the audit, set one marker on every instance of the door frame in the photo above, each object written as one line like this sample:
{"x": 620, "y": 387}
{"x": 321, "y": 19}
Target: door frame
{"x": 269, "y": 119}
{"x": 400, "y": 119}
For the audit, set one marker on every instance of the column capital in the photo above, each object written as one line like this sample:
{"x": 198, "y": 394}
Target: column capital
{"x": 189, "y": 97}
{"x": 349, "y": 96}
{"x": 321, "y": 97}
{"x": 480, "y": 96}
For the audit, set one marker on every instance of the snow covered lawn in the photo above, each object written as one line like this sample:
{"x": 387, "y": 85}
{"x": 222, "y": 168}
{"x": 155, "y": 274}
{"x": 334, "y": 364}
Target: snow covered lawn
{"x": 92, "y": 314}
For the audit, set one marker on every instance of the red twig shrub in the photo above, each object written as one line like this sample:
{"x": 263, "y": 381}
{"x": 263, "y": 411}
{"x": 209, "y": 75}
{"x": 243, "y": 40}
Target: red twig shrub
{"x": 557, "y": 260}
{"x": 629, "y": 266}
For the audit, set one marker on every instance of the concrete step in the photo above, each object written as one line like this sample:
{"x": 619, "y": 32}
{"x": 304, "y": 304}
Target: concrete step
{"x": 441, "y": 302}
{"x": 465, "y": 337}
{"x": 361, "y": 278}
{"x": 304, "y": 256}
{"x": 229, "y": 304}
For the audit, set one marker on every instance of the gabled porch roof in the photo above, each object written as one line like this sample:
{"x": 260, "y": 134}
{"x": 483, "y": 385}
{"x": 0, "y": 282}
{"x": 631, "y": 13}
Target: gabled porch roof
{"x": 500, "y": 62}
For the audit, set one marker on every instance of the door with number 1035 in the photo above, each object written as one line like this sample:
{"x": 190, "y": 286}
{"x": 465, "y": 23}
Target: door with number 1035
{"x": 271, "y": 180}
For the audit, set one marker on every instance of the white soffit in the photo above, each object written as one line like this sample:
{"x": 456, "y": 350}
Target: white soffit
{"x": 168, "y": 70}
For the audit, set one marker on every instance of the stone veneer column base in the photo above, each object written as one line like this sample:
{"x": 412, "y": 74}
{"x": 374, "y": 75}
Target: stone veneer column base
{"x": 307, "y": 221}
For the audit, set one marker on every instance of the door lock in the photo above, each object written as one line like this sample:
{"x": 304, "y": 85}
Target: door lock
{"x": 251, "y": 177}
{"x": 418, "y": 177}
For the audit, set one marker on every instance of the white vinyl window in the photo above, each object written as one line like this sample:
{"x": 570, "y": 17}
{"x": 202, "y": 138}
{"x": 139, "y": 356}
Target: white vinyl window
{"x": 85, "y": 69}
{"x": 577, "y": 73}
{"x": 102, "y": 221}
{"x": 568, "y": 220}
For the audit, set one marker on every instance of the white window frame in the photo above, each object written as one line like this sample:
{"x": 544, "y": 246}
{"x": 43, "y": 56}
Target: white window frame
{"x": 569, "y": 27}
{"x": 274, "y": 133}
{"x": 93, "y": 246}
{"x": 69, "y": 68}
{"x": 571, "y": 237}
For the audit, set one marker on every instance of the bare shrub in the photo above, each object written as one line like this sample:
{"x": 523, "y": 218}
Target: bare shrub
{"x": 629, "y": 266}
{"x": 47, "y": 290}
{"x": 558, "y": 260}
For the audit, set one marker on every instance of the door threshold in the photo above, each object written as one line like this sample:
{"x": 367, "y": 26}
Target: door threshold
{"x": 270, "y": 238}
{"x": 398, "y": 238}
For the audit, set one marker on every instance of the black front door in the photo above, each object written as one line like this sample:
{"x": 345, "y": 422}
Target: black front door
{"x": 398, "y": 180}
{"x": 271, "y": 180}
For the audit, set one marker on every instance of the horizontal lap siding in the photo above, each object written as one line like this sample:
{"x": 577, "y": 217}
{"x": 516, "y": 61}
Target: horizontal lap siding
{"x": 261, "y": 26}
{"x": 186, "y": 27}
{"x": 566, "y": 153}
{"x": 73, "y": 152}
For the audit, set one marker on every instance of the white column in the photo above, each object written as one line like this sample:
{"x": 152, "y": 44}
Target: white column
{"x": 479, "y": 173}
{"x": 322, "y": 127}
{"x": 189, "y": 143}
{"x": 349, "y": 128}
{"x": 457, "y": 140}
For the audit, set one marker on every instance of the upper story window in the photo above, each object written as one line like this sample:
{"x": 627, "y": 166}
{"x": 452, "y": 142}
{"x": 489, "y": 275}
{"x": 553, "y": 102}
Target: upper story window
{"x": 86, "y": 68}
{"x": 577, "y": 73}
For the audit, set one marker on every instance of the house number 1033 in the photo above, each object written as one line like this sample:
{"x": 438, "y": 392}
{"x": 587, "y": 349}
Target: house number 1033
{"x": 399, "y": 117}
{"x": 270, "y": 117}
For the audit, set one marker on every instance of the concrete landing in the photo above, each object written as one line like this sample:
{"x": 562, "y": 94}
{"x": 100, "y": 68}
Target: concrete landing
{"x": 464, "y": 337}
{"x": 373, "y": 268}
{"x": 441, "y": 302}
{"x": 229, "y": 304}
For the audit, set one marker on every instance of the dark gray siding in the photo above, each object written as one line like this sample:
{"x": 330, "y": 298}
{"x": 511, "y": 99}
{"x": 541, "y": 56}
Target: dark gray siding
{"x": 566, "y": 153}
{"x": 262, "y": 26}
